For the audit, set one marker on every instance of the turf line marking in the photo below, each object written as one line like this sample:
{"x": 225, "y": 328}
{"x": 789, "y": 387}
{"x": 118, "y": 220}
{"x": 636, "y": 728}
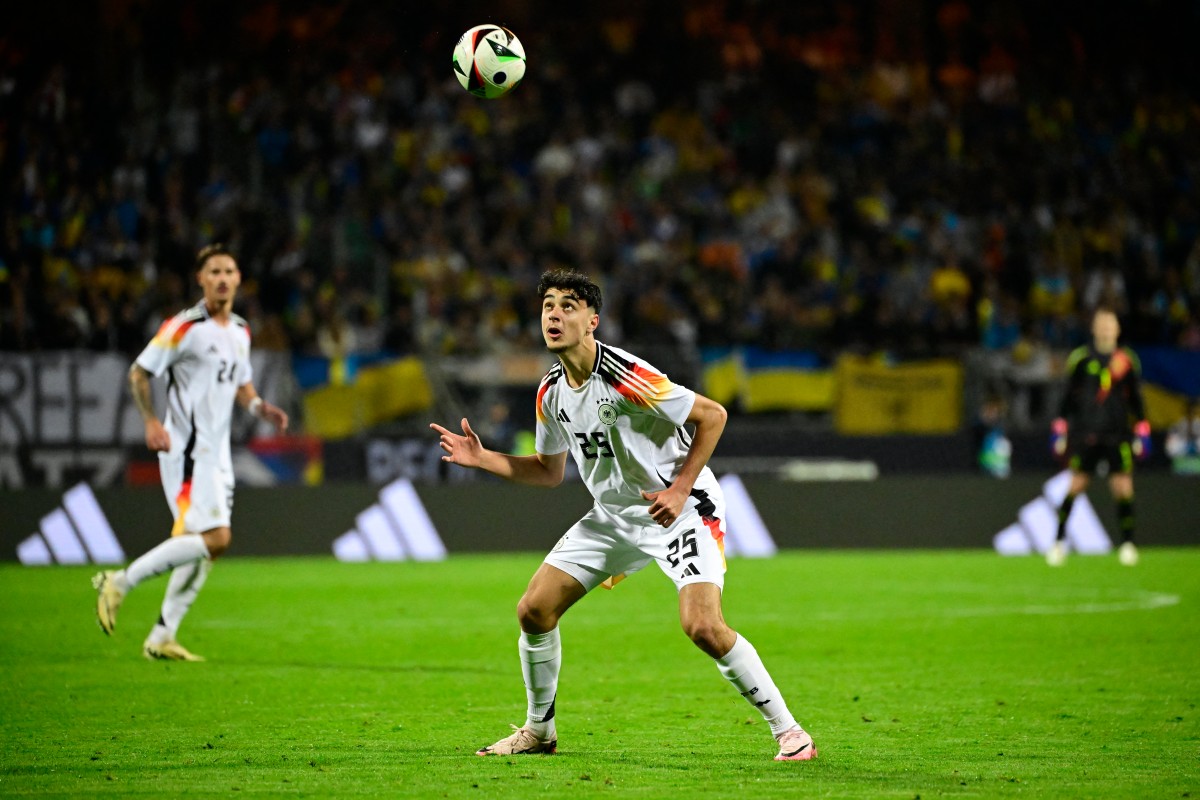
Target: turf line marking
{"x": 1148, "y": 602}
{"x": 1143, "y": 601}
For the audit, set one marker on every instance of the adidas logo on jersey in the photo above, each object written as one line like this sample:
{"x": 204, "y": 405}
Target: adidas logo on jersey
{"x": 76, "y": 533}
{"x": 562, "y": 416}
{"x": 396, "y": 528}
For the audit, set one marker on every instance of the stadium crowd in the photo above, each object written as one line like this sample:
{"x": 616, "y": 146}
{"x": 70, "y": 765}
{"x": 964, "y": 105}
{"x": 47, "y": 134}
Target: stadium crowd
{"x": 903, "y": 176}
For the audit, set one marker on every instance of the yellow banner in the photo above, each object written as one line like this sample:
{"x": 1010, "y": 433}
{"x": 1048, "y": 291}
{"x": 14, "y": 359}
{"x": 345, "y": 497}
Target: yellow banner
{"x": 1163, "y": 408}
{"x": 722, "y": 380}
{"x": 727, "y": 380}
{"x": 378, "y": 394}
{"x": 789, "y": 390}
{"x": 873, "y": 398}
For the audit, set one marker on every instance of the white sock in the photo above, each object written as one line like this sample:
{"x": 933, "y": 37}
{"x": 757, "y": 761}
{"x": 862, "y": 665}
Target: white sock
{"x": 174, "y": 552}
{"x": 182, "y": 588}
{"x": 541, "y": 658}
{"x": 742, "y": 667}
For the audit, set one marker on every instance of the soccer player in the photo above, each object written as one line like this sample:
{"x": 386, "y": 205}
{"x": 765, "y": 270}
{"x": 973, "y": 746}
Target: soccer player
{"x": 1102, "y": 399}
{"x": 656, "y": 500}
{"x": 205, "y": 351}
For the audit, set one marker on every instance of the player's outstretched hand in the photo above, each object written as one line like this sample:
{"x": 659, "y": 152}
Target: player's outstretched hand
{"x": 157, "y": 438}
{"x": 466, "y": 451}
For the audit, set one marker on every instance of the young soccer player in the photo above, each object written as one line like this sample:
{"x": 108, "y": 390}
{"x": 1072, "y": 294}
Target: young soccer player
{"x": 1102, "y": 420}
{"x": 656, "y": 500}
{"x": 205, "y": 352}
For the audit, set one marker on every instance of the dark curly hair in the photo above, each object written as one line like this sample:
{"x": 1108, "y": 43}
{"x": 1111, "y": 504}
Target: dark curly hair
{"x": 208, "y": 251}
{"x": 574, "y": 282}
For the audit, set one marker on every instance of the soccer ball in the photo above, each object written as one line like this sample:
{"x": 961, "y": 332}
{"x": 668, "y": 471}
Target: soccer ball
{"x": 489, "y": 61}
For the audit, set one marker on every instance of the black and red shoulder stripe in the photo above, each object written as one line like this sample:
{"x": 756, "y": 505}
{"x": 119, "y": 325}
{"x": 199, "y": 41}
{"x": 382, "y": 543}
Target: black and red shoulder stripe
{"x": 551, "y": 377}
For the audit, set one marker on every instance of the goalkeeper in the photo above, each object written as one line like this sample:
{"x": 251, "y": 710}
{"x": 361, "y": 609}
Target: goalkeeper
{"x": 1102, "y": 420}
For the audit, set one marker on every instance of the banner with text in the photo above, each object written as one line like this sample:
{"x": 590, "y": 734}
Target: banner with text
{"x": 878, "y": 398}
{"x": 67, "y": 416}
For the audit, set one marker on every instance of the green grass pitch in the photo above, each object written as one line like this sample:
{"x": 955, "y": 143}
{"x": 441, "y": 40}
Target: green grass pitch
{"x": 920, "y": 674}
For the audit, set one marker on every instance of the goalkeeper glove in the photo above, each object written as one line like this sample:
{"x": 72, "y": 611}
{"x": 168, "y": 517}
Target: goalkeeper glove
{"x": 1058, "y": 437}
{"x": 1141, "y": 440}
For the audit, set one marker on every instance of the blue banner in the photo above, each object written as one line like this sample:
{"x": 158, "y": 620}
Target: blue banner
{"x": 1172, "y": 369}
{"x": 313, "y": 371}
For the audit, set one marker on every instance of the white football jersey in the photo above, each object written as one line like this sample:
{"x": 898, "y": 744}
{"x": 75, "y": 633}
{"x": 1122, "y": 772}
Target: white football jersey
{"x": 624, "y": 426}
{"x": 205, "y": 363}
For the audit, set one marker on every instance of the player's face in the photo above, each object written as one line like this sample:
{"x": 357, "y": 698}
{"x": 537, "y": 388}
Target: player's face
{"x": 1105, "y": 331}
{"x": 220, "y": 279}
{"x": 566, "y": 320}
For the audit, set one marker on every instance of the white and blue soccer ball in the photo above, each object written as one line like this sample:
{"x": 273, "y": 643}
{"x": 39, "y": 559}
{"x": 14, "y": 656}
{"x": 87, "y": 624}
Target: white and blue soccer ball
{"x": 489, "y": 61}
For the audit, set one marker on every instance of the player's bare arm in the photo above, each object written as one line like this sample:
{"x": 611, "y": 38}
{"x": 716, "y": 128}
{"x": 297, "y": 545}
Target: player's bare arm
{"x": 468, "y": 451}
{"x": 247, "y": 398}
{"x": 709, "y": 418}
{"x": 157, "y": 437}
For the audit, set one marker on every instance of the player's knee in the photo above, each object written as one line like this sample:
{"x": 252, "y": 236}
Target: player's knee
{"x": 534, "y": 618}
{"x": 707, "y": 634}
{"x": 217, "y": 541}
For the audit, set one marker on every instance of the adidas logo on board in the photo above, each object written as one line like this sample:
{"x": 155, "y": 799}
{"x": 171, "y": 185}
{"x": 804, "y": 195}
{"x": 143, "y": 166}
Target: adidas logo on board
{"x": 1037, "y": 524}
{"x": 76, "y": 533}
{"x": 395, "y": 529}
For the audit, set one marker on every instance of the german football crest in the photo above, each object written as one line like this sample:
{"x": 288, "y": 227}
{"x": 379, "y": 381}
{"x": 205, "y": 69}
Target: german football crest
{"x": 607, "y": 413}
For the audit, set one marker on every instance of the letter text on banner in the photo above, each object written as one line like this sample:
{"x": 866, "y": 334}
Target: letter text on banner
{"x": 874, "y": 398}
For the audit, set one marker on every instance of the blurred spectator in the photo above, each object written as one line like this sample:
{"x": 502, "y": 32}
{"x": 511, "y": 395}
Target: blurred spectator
{"x": 1183, "y": 441}
{"x": 1033, "y": 372}
{"x": 993, "y": 449}
{"x": 904, "y": 176}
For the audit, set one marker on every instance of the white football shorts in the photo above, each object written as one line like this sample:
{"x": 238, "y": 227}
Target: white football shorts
{"x": 601, "y": 547}
{"x": 201, "y": 501}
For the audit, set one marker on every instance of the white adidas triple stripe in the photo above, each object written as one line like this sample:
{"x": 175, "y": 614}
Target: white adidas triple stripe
{"x": 396, "y": 528}
{"x": 77, "y": 533}
{"x": 629, "y": 377}
{"x": 745, "y": 532}
{"x": 1037, "y": 524}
